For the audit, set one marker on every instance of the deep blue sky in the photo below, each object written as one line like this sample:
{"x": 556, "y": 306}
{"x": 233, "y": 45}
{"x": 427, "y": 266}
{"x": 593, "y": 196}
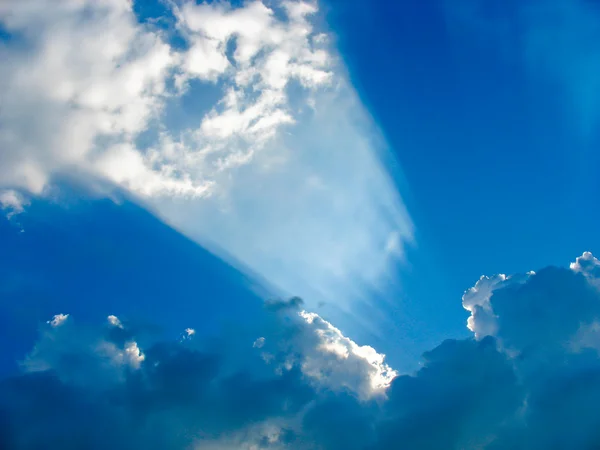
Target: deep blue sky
{"x": 498, "y": 178}
{"x": 91, "y": 257}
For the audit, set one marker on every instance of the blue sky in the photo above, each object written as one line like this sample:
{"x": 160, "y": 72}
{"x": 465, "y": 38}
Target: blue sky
{"x": 280, "y": 211}
{"x": 498, "y": 175}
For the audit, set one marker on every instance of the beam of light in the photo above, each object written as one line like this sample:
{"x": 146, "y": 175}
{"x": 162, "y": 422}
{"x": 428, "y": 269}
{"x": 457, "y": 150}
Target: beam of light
{"x": 236, "y": 125}
{"x": 324, "y": 222}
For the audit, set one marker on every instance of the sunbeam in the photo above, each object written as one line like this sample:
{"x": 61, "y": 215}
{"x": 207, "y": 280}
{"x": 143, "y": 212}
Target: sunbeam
{"x": 277, "y": 166}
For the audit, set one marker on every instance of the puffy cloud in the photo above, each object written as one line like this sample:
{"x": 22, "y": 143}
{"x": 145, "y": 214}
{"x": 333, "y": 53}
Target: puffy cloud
{"x": 114, "y": 321}
{"x": 333, "y": 359}
{"x": 58, "y": 320}
{"x": 79, "y": 106}
{"x": 88, "y": 104}
{"x": 476, "y": 300}
{"x": 324, "y": 355}
{"x": 588, "y": 265}
{"x": 482, "y": 321}
{"x": 532, "y": 381}
{"x": 536, "y": 309}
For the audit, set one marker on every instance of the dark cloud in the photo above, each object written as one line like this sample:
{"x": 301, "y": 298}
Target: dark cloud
{"x": 459, "y": 398}
{"x": 530, "y": 381}
{"x": 207, "y": 394}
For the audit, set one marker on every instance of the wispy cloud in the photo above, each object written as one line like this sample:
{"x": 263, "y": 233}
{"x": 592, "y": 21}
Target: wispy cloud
{"x": 282, "y": 172}
{"x": 12, "y": 202}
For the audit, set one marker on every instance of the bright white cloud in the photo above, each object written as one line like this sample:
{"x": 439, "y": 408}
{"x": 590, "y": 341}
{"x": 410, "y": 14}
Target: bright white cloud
{"x": 278, "y": 168}
{"x": 79, "y": 106}
{"x": 337, "y": 362}
{"x": 586, "y": 264}
{"x": 483, "y": 321}
{"x": 190, "y": 332}
{"x": 476, "y": 300}
{"x": 533, "y": 384}
{"x": 259, "y": 343}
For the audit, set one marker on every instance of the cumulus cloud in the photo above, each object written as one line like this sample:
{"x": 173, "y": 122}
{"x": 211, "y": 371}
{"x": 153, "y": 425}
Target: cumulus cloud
{"x": 530, "y": 382}
{"x": 482, "y": 320}
{"x": 334, "y": 359}
{"x": 179, "y": 394}
{"x": 273, "y": 162}
{"x": 521, "y": 383}
{"x": 536, "y": 309}
{"x": 329, "y": 360}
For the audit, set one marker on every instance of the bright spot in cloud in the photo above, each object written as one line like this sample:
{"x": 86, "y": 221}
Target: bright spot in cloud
{"x": 375, "y": 374}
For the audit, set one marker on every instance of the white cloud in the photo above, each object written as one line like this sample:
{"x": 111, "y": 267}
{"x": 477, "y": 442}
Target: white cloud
{"x": 78, "y": 106}
{"x": 483, "y": 321}
{"x": 58, "y": 320}
{"x": 334, "y": 361}
{"x": 259, "y": 343}
{"x": 278, "y": 167}
{"x": 114, "y": 321}
{"x": 476, "y": 300}
{"x": 547, "y": 309}
{"x": 13, "y": 202}
{"x": 179, "y": 387}
{"x": 586, "y": 264}
{"x": 330, "y": 360}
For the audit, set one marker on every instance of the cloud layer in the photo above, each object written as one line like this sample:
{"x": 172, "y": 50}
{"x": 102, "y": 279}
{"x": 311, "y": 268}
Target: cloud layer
{"x": 117, "y": 392}
{"x": 530, "y": 381}
{"x": 234, "y": 124}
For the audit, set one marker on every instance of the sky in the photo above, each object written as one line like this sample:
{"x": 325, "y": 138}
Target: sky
{"x": 299, "y": 225}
